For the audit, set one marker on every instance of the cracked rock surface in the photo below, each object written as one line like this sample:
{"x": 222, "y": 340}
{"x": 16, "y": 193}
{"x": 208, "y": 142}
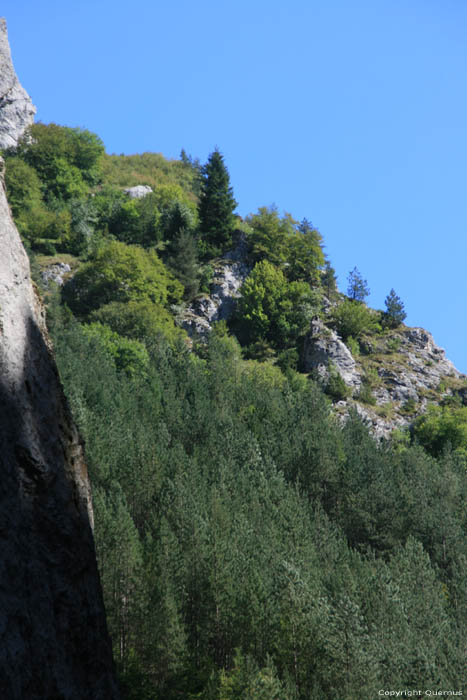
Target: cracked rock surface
{"x": 16, "y": 109}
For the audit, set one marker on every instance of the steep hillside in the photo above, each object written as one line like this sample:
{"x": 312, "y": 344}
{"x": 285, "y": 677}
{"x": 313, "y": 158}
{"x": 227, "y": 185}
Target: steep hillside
{"x": 254, "y": 539}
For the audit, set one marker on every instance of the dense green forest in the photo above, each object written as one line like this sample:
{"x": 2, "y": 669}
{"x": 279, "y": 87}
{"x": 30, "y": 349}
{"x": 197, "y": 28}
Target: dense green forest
{"x": 251, "y": 545}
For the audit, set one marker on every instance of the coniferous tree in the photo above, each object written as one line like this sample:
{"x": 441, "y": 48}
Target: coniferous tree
{"x": 329, "y": 280}
{"x": 216, "y": 205}
{"x": 184, "y": 262}
{"x": 358, "y": 288}
{"x": 394, "y": 314}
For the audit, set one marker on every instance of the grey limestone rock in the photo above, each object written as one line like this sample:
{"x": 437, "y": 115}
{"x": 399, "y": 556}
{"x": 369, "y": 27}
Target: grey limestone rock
{"x": 53, "y": 635}
{"x": 324, "y": 349}
{"x": 16, "y": 109}
{"x": 138, "y": 191}
{"x": 55, "y": 273}
{"x": 219, "y": 304}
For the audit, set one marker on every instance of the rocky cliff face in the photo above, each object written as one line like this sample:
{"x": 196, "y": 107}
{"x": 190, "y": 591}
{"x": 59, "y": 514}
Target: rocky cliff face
{"x": 392, "y": 380}
{"x": 16, "y": 109}
{"x": 219, "y": 304}
{"x": 53, "y": 637}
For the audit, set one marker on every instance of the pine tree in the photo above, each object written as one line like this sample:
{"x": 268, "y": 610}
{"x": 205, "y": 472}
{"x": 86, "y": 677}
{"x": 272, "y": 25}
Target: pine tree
{"x": 216, "y": 206}
{"x": 184, "y": 262}
{"x": 394, "y": 314}
{"x": 358, "y": 287}
{"x": 329, "y": 280}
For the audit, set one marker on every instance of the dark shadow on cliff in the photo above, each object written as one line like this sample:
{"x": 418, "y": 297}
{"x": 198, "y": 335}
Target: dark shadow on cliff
{"x": 53, "y": 637}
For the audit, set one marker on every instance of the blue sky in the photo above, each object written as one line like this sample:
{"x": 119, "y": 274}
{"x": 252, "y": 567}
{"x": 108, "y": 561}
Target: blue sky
{"x": 351, "y": 114}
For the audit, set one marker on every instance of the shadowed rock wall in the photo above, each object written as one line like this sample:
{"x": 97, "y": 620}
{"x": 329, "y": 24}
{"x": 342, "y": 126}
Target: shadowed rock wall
{"x": 53, "y": 637}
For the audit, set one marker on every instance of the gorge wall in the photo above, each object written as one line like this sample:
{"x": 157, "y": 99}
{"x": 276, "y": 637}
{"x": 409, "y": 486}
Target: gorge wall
{"x": 53, "y": 637}
{"x": 16, "y": 109}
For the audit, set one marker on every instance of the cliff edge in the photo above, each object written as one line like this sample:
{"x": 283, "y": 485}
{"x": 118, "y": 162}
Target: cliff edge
{"x": 16, "y": 109}
{"x": 53, "y": 636}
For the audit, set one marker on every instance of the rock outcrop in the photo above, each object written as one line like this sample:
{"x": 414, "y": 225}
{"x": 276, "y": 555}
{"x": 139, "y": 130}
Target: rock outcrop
{"x": 56, "y": 273}
{"x": 324, "y": 351}
{"x": 393, "y": 379}
{"x": 138, "y": 191}
{"x": 53, "y": 636}
{"x": 219, "y": 304}
{"x": 16, "y": 109}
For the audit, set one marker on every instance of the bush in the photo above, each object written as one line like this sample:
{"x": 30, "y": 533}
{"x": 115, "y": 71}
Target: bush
{"x": 365, "y": 394}
{"x": 352, "y": 318}
{"x": 336, "y": 388}
{"x": 121, "y": 273}
{"x": 272, "y": 309}
{"x": 129, "y": 355}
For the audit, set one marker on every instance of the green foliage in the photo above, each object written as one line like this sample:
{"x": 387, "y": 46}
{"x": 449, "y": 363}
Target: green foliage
{"x": 66, "y": 160}
{"x": 183, "y": 261}
{"x": 305, "y": 255}
{"x": 357, "y": 289}
{"x": 247, "y": 682}
{"x": 249, "y": 545}
{"x": 149, "y": 169}
{"x": 121, "y": 273}
{"x": 23, "y": 187}
{"x": 329, "y": 280}
{"x": 282, "y": 241}
{"x": 216, "y": 206}
{"x": 273, "y": 309}
{"x": 269, "y": 235}
{"x": 336, "y": 388}
{"x": 352, "y": 319}
{"x": 441, "y": 428}
{"x": 353, "y": 346}
{"x": 365, "y": 394}
{"x": 393, "y": 344}
{"x": 143, "y": 320}
{"x": 129, "y": 355}
{"x": 409, "y": 407}
{"x": 394, "y": 314}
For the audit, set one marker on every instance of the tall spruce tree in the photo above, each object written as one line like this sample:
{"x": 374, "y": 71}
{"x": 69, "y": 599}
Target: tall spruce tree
{"x": 216, "y": 206}
{"x": 395, "y": 313}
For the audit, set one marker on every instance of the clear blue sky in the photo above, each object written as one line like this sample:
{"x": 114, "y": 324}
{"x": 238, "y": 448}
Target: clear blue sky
{"x": 352, "y": 114}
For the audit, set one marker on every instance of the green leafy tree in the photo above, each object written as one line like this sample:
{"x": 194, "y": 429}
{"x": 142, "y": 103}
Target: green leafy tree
{"x": 357, "y": 289}
{"x": 352, "y": 318}
{"x": 23, "y": 187}
{"x": 273, "y": 309}
{"x": 270, "y": 234}
{"x": 216, "y": 206}
{"x": 67, "y": 160}
{"x": 140, "y": 320}
{"x": 394, "y": 314}
{"x": 121, "y": 273}
{"x": 305, "y": 254}
{"x": 442, "y": 427}
{"x": 129, "y": 355}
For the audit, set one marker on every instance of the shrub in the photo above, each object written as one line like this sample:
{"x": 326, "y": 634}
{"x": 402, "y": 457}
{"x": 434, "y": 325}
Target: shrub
{"x": 365, "y": 394}
{"x": 352, "y": 318}
{"x": 336, "y": 388}
{"x": 121, "y": 273}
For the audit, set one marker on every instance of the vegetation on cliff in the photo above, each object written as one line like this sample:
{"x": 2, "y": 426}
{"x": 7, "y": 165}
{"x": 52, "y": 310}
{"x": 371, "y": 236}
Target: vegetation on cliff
{"x": 250, "y": 544}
